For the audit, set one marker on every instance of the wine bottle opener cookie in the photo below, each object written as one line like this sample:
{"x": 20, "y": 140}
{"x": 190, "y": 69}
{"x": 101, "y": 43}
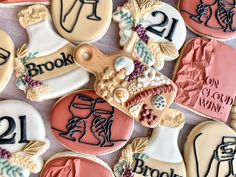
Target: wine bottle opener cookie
{"x": 135, "y": 88}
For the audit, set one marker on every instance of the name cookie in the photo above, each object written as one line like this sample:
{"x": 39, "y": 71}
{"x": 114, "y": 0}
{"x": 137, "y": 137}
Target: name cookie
{"x": 202, "y": 79}
{"x": 22, "y": 139}
{"x": 75, "y": 165}
{"x": 85, "y": 123}
{"x": 215, "y": 19}
{"x": 152, "y": 30}
{"x": 157, "y": 156}
{"x": 7, "y": 51}
{"x": 82, "y": 20}
{"x": 127, "y": 84}
{"x": 47, "y": 61}
{"x": 210, "y": 150}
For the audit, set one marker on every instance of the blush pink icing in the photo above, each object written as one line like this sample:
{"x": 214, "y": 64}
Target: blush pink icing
{"x": 205, "y": 78}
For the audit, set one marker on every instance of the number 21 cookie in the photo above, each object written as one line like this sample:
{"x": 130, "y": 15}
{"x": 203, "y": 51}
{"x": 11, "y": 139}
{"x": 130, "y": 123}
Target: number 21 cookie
{"x": 152, "y": 30}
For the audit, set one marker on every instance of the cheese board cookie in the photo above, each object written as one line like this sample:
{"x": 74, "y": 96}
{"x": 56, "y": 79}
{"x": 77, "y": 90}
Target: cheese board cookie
{"x": 210, "y": 150}
{"x": 152, "y": 30}
{"x": 85, "y": 123}
{"x": 75, "y": 165}
{"x": 82, "y": 20}
{"x": 202, "y": 76}
{"x": 47, "y": 61}
{"x": 7, "y": 51}
{"x": 129, "y": 85}
{"x": 214, "y": 19}
{"x": 6, "y": 3}
{"x": 22, "y": 139}
{"x": 157, "y": 156}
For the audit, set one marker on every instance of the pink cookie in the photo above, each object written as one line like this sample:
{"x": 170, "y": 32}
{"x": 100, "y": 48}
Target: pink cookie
{"x": 204, "y": 77}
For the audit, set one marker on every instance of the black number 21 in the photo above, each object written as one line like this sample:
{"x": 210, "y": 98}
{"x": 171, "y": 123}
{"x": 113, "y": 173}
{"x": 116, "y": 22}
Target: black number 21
{"x": 164, "y": 22}
{"x": 11, "y": 129}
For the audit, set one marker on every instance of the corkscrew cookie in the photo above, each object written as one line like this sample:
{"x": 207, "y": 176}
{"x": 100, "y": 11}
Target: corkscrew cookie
{"x": 22, "y": 140}
{"x": 202, "y": 78}
{"x": 75, "y": 165}
{"x": 47, "y": 61}
{"x": 210, "y": 150}
{"x": 7, "y": 51}
{"x": 152, "y": 30}
{"x": 215, "y": 19}
{"x": 157, "y": 156}
{"x": 82, "y": 20}
{"x": 22, "y": 2}
{"x": 128, "y": 84}
{"x": 85, "y": 123}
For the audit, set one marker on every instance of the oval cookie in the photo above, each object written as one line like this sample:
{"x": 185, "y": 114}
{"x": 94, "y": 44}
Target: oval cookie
{"x": 22, "y": 139}
{"x": 75, "y": 165}
{"x": 7, "y": 52}
{"x": 215, "y": 19}
{"x": 82, "y": 20}
{"x": 85, "y": 123}
{"x": 210, "y": 150}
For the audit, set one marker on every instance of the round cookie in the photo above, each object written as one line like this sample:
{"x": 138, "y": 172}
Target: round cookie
{"x": 215, "y": 19}
{"x": 210, "y": 150}
{"x": 7, "y": 51}
{"x": 22, "y": 139}
{"x": 85, "y": 123}
{"x": 158, "y": 155}
{"x": 152, "y": 30}
{"x": 68, "y": 164}
{"x": 82, "y": 20}
{"x": 47, "y": 61}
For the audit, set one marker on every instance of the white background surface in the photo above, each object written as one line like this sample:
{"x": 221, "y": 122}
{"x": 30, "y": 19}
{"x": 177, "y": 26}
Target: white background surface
{"x": 108, "y": 44}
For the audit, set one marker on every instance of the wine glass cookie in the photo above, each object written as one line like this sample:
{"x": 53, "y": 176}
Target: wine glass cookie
{"x": 85, "y": 123}
{"x": 215, "y": 19}
{"x": 129, "y": 85}
{"x": 7, "y": 51}
{"x": 22, "y": 140}
{"x": 21, "y": 2}
{"x": 45, "y": 68}
{"x": 152, "y": 30}
{"x": 158, "y": 155}
{"x": 69, "y": 164}
{"x": 210, "y": 150}
{"x": 82, "y": 20}
{"x": 203, "y": 78}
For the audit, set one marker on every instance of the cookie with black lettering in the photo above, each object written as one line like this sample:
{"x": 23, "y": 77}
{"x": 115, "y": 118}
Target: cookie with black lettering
{"x": 157, "y": 156}
{"x": 152, "y": 30}
{"x": 45, "y": 68}
{"x": 22, "y": 140}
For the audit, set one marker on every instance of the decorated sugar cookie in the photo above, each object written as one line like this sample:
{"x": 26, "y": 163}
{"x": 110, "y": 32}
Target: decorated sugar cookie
{"x": 45, "y": 68}
{"x": 22, "y": 140}
{"x": 215, "y": 19}
{"x": 211, "y": 151}
{"x": 68, "y": 164}
{"x": 85, "y": 123}
{"x": 202, "y": 76}
{"x": 21, "y": 2}
{"x": 158, "y": 156}
{"x": 7, "y": 50}
{"x": 82, "y": 20}
{"x": 152, "y": 30}
{"x": 128, "y": 84}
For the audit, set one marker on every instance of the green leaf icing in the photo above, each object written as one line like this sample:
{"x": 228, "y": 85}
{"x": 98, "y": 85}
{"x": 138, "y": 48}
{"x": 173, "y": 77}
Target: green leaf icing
{"x": 9, "y": 170}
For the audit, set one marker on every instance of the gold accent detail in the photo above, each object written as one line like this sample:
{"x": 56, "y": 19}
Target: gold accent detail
{"x": 33, "y": 94}
{"x": 20, "y": 54}
{"x": 173, "y": 118}
{"x": 34, "y": 148}
{"x": 169, "y": 49}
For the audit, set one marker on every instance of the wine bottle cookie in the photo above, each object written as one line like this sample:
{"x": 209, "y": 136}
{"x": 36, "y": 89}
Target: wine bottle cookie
{"x": 215, "y": 19}
{"x": 202, "y": 78}
{"x": 85, "y": 123}
{"x": 129, "y": 85}
{"x": 75, "y": 165}
{"x": 7, "y": 3}
{"x": 210, "y": 150}
{"x": 157, "y": 156}
{"x": 22, "y": 140}
{"x": 7, "y": 51}
{"x": 47, "y": 61}
{"x": 82, "y": 20}
{"x": 152, "y": 30}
